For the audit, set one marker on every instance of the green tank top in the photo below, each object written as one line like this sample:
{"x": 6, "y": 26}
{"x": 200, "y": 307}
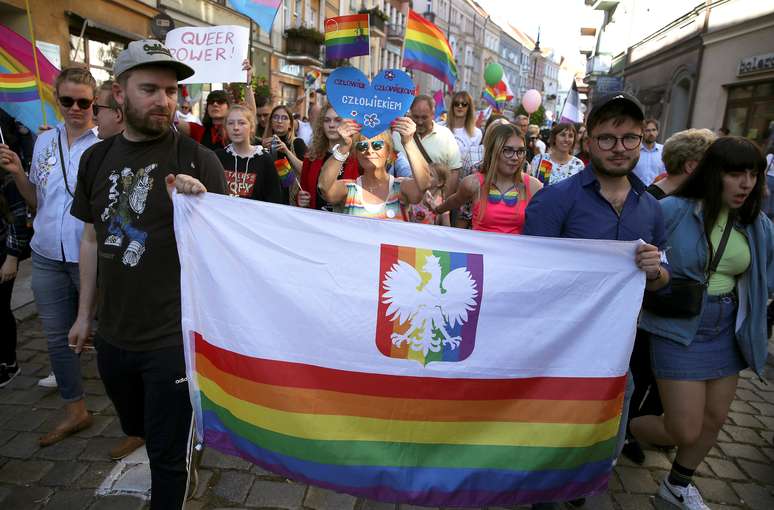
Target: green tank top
{"x": 735, "y": 259}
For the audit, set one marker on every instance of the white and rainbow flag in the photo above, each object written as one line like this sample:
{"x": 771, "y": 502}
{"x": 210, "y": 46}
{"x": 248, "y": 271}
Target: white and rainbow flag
{"x": 405, "y": 362}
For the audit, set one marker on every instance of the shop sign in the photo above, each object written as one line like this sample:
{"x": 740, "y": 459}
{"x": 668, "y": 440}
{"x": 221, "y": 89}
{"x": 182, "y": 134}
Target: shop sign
{"x": 291, "y": 69}
{"x": 756, "y": 64}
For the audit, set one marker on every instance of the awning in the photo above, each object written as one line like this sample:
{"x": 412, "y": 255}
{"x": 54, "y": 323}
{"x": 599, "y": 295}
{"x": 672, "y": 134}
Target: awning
{"x": 100, "y": 31}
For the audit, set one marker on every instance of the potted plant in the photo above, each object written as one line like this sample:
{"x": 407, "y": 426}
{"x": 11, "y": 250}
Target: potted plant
{"x": 376, "y": 17}
{"x": 304, "y": 41}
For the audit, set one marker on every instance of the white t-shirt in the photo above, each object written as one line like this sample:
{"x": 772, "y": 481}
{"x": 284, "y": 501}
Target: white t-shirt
{"x": 304, "y": 132}
{"x": 469, "y": 147}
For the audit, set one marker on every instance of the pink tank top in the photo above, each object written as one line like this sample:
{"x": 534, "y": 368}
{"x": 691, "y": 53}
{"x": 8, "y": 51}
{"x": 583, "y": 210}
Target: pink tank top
{"x": 504, "y": 213}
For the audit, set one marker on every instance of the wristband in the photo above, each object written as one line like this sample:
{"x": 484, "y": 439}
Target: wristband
{"x": 339, "y": 156}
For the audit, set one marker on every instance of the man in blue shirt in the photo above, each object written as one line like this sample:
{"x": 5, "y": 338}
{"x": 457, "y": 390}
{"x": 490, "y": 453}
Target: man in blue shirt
{"x": 606, "y": 200}
{"x": 650, "y": 164}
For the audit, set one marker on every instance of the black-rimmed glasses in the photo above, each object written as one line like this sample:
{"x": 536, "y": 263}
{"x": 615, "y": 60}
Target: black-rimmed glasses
{"x": 608, "y": 142}
{"x": 95, "y": 108}
{"x": 508, "y": 152}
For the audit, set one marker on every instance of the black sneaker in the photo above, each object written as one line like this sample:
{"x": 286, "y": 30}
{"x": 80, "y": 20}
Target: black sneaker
{"x": 8, "y": 373}
{"x": 633, "y": 451}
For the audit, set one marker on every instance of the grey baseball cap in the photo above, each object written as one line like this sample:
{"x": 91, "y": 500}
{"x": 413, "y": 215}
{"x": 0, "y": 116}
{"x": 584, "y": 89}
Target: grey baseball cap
{"x": 149, "y": 52}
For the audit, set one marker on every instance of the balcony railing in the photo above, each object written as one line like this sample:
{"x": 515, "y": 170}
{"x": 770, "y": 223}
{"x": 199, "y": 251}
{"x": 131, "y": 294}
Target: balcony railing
{"x": 302, "y": 47}
{"x": 395, "y": 31}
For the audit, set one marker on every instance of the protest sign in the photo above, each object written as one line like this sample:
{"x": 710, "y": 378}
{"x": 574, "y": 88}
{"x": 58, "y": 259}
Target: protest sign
{"x": 373, "y": 105}
{"x": 215, "y": 53}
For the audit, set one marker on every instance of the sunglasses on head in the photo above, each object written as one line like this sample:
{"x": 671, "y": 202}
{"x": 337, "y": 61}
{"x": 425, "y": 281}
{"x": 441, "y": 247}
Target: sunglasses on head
{"x": 460, "y": 104}
{"x": 68, "y": 102}
{"x": 376, "y": 145}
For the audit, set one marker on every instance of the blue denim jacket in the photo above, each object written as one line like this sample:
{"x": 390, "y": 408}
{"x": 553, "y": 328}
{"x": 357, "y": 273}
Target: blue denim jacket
{"x": 688, "y": 259}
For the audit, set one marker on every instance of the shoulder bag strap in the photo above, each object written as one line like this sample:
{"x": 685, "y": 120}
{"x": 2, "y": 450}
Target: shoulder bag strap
{"x": 721, "y": 247}
{"x": 422, "y": 149}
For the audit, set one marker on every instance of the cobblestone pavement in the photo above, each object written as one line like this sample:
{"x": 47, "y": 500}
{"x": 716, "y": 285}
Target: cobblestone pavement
{"x": 739, "y": 472}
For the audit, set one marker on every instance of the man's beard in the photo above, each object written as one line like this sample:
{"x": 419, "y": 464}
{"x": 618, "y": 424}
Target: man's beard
{"x": 599, "y": 167}
{"x": 151, "y": 127}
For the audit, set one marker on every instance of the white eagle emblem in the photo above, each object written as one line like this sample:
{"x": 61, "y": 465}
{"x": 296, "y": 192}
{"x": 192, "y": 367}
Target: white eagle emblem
{"x": 431, "y": 306}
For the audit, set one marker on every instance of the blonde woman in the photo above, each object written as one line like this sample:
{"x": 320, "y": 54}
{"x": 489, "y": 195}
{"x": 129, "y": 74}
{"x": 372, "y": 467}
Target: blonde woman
{"x": 462, "y": 122}
{"x": 376, "y": 193}
{"x": 501, "y": 191}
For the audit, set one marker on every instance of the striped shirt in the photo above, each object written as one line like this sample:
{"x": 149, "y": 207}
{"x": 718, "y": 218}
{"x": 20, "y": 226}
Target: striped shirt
{"x": 390, "y": 209}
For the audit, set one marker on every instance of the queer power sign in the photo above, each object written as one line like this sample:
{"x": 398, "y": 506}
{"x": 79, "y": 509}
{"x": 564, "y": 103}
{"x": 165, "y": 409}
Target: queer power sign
{"x": 215, "y": 53}
{"x": 373, "y": 105}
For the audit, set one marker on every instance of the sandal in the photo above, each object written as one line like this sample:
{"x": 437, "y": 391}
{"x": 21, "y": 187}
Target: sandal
{"x": 57, "y": 435}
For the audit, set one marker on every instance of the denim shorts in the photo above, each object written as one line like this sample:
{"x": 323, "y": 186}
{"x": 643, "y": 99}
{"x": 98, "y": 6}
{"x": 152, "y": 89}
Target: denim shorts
{"x": 712, "y": 354}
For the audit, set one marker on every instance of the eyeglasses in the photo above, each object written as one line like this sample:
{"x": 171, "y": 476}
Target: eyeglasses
{"x": 95, "y": 108}
{"x": 460, "y": 105}
{"x": 216, "y": 101}
{"x": 608, "y": 142}
{"x": 376, "y": 145}
{"x": 508, "y": 152}
{"x": 68, "y": 102}
{"x": 280, "y": 118}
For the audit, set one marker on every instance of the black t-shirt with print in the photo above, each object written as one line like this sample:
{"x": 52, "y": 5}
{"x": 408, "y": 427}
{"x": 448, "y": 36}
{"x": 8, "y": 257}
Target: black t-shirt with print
{"x": 126, "y": 199}
{"x": 254, "y": 177}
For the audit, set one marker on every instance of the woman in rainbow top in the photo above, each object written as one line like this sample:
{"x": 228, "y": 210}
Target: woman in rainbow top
{"x": 376, "y": 193}
{"x": 501, "y": 191}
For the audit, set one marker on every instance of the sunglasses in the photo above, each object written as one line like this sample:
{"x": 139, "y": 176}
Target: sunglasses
{"x": 376, "y": 145}
{"x": 460, "y": 105}
{"x": 68, "y": 102}
{"x": 95, "y": 108}
{"x": 217, "y": 101}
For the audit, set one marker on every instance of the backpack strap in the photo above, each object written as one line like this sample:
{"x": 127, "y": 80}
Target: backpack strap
{"x": 422, "y": 149}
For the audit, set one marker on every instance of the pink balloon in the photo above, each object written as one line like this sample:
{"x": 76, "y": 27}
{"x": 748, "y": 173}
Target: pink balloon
{"x": 531, "y": 101}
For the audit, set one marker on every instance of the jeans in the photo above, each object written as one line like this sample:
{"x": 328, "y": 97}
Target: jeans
{"x": 149, "y": 390}
{"x": 7, "y": 325}
{"x": 55, "y": 285}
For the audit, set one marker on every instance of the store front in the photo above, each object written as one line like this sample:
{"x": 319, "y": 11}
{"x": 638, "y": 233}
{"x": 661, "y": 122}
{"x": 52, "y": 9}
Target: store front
{"x": 750, "y": 111}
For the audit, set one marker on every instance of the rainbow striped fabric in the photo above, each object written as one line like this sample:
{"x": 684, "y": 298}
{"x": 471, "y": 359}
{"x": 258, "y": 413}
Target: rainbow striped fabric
{"x": 18, "y": 91}
{"x": 510, "y": 197}
{"x": 285, "y": 172}
{"x": 498, "y": 95}
{"x": 426, "y": 49}
{"x": 346, "y": 36}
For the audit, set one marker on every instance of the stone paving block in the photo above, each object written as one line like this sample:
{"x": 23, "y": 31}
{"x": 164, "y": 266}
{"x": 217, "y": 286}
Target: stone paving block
{"x": 262, "y": 473}
{"x": 24, "y": 355}
{"x": 322, "y": 499}
{"x": 22, "y": 381}
{"x": 741, "y": 451}
{"x": 6, "y": 435}
{"x": 634, "y": 502}
{"x": 745, "y": 420}
{"x": 27, "y": 396}
{"x": 614, "y": 484}
{"x": 745, "y": 384}
{"x": 744, "y": 435}
{"x": 94, "y": 387}
{"x": 763, "y": 408}
{"x": 51, "y": 400}
{"x": 602, "y": 501}
{"x": 205, "y": 476}
{"x": 767, "y": 395}
{"x": 767, "y": 421}
{"x": 715, "y": 490}
{"x": 23, "y": 446}
{"x": 97, "y": 449}
{"x": 283, "y": 495}
{"x": 94, "y": 475}
{"x": 24, "y": 471}
{"x": 656, "y": 459}
{"x": 8, "y": 412}
{"x": 233, "y": 486}
{"x": 754, "y": 496}
{"x": 70, "y": 499}
{"x": 214, "y": 459}
{"x": 725, "y": 469}
{"x": 715, "y": 452}
{"x": 414, "y": 507}
{"x": 67, "y": 449}
{"x": 748, "y": 395}
{"x": 27, "y": 498}
{"x": 743, "y": 407}
{"x": 376, "y": 505}
{"x": 637, "y": 480}
{"x": 98, "y": 403}
{"x": 97, "y": 428}
{"x": 113, "y": 429}
{"x": 761, "y": 473}
{"x": 64, "y": 474}
{"x": 769, "y": 452}
{"x": 724, "y": 436}
{"x": 767, "y": 436}
{"x": 118, "y": 503}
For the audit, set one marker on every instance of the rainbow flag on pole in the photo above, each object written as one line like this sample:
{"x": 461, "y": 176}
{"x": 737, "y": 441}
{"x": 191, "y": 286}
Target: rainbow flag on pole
{"x": 369, "y": 379}
{"x": 18, "y": 90}
{"x": 426, "y": 49}
{"x": 346, "y": 36}
{"x": 498, "y": 95}
{"x": 285, "y": 172}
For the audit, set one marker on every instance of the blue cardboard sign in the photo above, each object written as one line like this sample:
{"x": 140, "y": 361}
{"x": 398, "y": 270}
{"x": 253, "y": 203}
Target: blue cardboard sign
{"x": 372, "y": 105}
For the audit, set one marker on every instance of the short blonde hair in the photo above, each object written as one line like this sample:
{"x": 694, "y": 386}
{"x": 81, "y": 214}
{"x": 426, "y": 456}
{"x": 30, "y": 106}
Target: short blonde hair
{"x": 688, "y": 145}
{"x": 388, "y": 145}
{"x": 246, "y": 113}
{"x": 76, "y": 74}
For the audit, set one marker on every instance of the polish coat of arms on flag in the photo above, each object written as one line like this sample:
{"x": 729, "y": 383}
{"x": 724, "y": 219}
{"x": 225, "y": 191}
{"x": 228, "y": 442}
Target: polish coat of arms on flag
{"x": 429, "y": 301}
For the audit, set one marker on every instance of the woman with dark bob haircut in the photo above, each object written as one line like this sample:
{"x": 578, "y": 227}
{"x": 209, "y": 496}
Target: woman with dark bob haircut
{"x": 697, "y": 360}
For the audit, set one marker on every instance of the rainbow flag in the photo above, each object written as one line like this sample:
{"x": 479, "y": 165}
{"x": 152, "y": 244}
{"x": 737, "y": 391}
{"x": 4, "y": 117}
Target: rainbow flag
{"x": 426, "y": 49}
{"x": 346, "y": 36}
{"x": 424, "y": 373}
{"x": 18, "y": 91}
{"x": 498, "y": 95}
{"x": 285, "y": 172}
{"x": 17, "y": 87}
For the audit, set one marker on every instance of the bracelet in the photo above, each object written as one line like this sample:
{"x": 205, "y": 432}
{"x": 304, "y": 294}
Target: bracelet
{"x": 339, "y": 156}
{"x": 657, "y": 276}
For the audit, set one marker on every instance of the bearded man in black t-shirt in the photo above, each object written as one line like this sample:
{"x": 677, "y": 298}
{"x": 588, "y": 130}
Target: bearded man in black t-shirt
{"x": 122, "y": 197}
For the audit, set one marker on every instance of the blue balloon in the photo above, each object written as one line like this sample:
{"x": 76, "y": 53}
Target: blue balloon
{"x": 372, "y": 105}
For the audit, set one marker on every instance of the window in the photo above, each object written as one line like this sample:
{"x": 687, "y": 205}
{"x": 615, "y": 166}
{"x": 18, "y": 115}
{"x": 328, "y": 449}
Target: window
{"x": 98, "y": 56}
{"x": 289, "y": 94}
{"x": 286, "y": 8}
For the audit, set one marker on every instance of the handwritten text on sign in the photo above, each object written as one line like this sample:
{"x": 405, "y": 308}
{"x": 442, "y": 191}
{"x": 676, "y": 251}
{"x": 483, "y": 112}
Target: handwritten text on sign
{"x": 215, "y": 53}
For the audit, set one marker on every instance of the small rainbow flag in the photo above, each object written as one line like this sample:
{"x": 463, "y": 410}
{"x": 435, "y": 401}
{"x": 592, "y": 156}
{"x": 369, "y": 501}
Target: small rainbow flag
{"x": 17, "y": 87}
{"x": 285, "y": 172}
{"x": 426, "y": 49}
{"x": 544, "y": 170}
{"x": 498, "y": 95}
{"x": 346, "y": 36}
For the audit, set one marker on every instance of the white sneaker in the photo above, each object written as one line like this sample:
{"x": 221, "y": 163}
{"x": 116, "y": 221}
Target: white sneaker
{"x": 686, "y": 498}
{"x": 49, "y": 381}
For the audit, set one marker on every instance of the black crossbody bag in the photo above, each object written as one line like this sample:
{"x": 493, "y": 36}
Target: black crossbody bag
{"x": 687, "y": 295}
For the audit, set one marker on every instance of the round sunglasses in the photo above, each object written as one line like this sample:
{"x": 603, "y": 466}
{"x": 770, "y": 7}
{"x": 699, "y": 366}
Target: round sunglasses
{"x": 376, "y": 145}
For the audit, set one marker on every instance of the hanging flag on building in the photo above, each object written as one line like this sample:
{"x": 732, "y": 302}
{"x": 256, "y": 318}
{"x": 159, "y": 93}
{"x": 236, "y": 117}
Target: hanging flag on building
{"x": 19, "y": 95}
{"x": 571, "y": 109}
{"x": 405, "y": 377}
{"x": 426, "y": 49}
{"x": 346, "y": 37}
{"x": 498, "y": 95}
{"x": 262, "y": 12}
